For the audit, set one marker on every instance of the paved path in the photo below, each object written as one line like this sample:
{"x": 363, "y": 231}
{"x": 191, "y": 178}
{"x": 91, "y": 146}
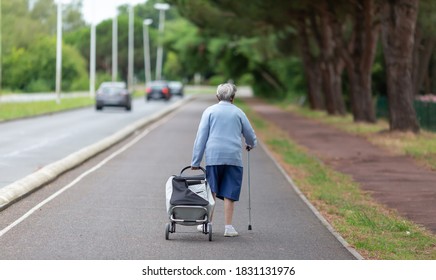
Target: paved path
{"x": 118, "y": 211}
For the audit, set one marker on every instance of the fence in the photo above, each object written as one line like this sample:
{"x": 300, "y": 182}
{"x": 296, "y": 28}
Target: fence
{"x": 425, "y": 112}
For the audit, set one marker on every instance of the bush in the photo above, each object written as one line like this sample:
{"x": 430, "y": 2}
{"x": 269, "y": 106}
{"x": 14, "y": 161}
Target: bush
{"x": 37, "y": 86}
{"x": 216, "y": 80}
{"x": 34, "y": 69}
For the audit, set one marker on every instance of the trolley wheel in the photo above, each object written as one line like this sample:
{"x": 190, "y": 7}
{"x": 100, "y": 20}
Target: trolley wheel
{"x": 209, "y": 225}
{"x": 173, "y": 227}
{"x": 167, "y": 231}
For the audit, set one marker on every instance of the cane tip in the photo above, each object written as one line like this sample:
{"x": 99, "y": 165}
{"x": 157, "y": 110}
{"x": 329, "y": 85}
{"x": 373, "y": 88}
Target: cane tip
{"x": 249, "y": 227}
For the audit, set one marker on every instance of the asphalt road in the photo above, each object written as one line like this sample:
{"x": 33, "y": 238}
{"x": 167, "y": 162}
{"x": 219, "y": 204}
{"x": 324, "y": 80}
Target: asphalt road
{"x": 26, "y": 145}
{"x": 113, "y": 207}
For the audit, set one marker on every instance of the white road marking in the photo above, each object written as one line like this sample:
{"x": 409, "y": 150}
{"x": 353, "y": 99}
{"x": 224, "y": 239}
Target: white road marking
{"x": 83, "y": 175}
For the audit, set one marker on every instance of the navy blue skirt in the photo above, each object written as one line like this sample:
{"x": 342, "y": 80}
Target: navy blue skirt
{"x": 225, "y": 180}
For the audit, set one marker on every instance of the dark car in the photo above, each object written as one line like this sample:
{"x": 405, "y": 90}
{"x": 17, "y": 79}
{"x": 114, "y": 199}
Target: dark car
{"x": 157, "y": 90}
{"x": 114, "y": 94}
{"x": 176, "y": 88}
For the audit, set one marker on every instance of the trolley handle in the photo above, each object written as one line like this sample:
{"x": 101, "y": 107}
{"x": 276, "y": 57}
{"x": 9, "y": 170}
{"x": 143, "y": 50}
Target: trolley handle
{"x": 189, "y": 167}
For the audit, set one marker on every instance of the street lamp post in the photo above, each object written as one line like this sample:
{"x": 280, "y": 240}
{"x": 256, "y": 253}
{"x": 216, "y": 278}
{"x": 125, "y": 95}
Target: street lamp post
{"x": 92, "y": 61}
{"x": 162, "y": 7}
{"x": 147, "y": 22}
{"x": 115, "y": 48}
{"x": 59, "y": 52}
{"x": 92, "y": 55}
{"x": 130, "y": 52}
{"x": 1, "y": 59}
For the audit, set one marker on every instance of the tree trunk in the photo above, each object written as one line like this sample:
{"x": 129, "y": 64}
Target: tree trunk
{"x": 331, "y": 81}
{"x": 337, "y": 86}
{"x": 433, "y": 74}
{"x": 363, "y": 54}
{"x": 422, "y": 62}
{"x": 398, "y": 20}
{"x": 327, "y": 84}
{"x": 415, "y": 59}
{"x": 311, "y": 69}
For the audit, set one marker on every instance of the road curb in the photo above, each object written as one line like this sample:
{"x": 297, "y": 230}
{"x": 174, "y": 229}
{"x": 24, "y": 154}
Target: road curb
{"x": 17, "y": 190}
{"x": 311, "y": 207}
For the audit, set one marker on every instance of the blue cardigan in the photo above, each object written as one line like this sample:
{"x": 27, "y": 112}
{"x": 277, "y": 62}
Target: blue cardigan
{"x": 219, "y": 135}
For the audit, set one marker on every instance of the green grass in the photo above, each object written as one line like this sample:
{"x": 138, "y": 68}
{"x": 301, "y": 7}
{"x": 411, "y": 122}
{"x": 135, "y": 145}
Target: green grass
{"x": 15, "y": 110}
{"x": 375, "y": 231}
{"x": 10, "y": 111}
{"x": 202, "y": 90}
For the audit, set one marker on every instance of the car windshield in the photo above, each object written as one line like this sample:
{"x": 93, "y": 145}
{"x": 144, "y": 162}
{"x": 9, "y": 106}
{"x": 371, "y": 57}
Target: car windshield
{"x": 111, "y": 90}
{"x": 175, "y": 84}
{"x": 113, "y": 85}
{"x": 157, "y": 85}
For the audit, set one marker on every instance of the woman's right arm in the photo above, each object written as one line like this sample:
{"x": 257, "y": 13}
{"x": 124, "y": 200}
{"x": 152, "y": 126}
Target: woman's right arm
{"x": 200, "y": 140}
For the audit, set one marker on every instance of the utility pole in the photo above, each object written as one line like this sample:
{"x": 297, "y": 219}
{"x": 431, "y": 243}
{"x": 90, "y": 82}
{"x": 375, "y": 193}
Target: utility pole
{"x": 92, "y": 61}
{"x": 115, "y": 48}
{"x": 162, "y": 7}
{"x": 59, "y": 52}
{"x": 130, "y": 54}
{"x": 147, "y": 71}
{"x": 1, "y": 57}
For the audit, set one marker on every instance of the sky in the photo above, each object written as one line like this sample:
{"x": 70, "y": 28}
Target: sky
{"x": 99, "y": 10}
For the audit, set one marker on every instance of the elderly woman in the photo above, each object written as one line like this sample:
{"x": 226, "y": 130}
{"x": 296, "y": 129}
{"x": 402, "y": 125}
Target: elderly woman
{"x": 219, "y": 138}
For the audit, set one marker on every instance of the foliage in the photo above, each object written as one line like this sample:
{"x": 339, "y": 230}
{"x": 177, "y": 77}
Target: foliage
{"x": 246, "y": 41}
{"x": 28, "y": 46}
{"x": 34, "y": 69}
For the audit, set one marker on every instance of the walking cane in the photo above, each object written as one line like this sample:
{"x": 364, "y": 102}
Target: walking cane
{"x": 249, "y": 195}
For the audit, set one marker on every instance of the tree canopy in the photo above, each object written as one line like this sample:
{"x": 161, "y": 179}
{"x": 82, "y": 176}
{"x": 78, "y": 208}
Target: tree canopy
{"x": 337, "y": 55}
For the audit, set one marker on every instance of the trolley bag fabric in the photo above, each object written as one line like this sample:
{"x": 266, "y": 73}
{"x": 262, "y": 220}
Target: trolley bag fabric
{"x": 183, "y": 195}
{"x": 182, "y": 191}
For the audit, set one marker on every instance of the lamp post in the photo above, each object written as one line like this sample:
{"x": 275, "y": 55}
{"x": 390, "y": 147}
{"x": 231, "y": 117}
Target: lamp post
{"x": 147, "y": 71}
{"x": 114, "y": 48}
{"x": 92, "y": 55}
{"x": 1, "y": 59}
{"x": 92, "y": 61}
{"x": 130, "y": 51}
{"x": 162, "y": 7}
{"x": 59, "y": 52}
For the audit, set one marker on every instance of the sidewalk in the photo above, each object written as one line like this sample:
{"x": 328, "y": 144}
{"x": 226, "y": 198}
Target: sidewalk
{"x": 395, "y": 181}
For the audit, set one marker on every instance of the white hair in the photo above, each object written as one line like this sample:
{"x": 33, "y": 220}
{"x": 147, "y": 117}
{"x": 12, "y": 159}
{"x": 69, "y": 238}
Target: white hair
{"x": 226, "y": 92}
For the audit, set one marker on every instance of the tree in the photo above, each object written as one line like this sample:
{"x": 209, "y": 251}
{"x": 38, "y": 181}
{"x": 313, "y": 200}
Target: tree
{"x": 72, "y": 16}
{"x": 358, "y": 53}
{"x": 398, "y": 21}
{"x": 312, "y": 66}
{"x": 322, "y": 23}
{"x": 425, "y": 44}
{"x": 33, "y": 69}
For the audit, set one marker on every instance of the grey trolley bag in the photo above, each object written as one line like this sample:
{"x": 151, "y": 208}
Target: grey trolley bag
{"x": 189, "y": 202}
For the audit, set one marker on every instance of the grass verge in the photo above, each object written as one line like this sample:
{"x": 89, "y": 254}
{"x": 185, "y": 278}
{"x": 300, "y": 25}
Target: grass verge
{"x": 16, "y": 110}
{"x": 10, "y": 111}
{"x": 375, "y": 231}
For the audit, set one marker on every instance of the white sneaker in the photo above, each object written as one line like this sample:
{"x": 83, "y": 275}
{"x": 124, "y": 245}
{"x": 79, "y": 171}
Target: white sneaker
{"x": 230, "y": 232}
